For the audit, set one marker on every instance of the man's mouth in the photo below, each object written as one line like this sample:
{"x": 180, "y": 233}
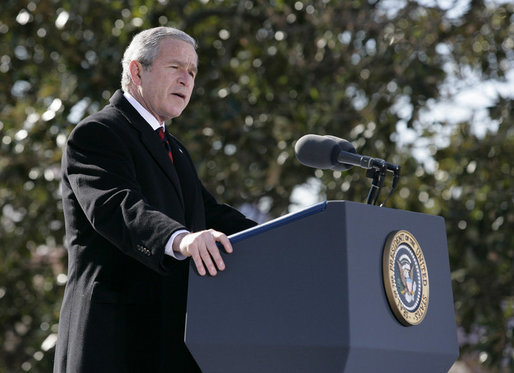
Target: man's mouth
{"x": 182, "y": 96}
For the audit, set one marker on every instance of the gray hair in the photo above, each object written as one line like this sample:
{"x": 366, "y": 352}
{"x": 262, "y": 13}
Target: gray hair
{"x": 144, "y": 48}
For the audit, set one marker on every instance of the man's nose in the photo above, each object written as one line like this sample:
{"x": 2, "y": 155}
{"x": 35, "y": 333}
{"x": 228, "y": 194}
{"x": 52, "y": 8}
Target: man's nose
{"x": 184, "y": 79}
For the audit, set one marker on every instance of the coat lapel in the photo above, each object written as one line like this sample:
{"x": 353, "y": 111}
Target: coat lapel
{"x": 149, "y": 139}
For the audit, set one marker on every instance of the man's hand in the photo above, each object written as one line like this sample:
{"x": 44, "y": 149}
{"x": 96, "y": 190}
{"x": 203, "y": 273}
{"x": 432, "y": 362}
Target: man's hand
{"x": 202, "y": 247}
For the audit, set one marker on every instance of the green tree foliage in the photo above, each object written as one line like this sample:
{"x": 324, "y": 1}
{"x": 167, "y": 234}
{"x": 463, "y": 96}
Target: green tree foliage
{"x": 476, "y": 186}
{"x": 270, "y": 72}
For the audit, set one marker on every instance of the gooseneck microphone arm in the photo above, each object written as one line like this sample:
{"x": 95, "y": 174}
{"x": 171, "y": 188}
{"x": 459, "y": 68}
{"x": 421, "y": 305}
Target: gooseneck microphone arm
{"x": 365, "y": 162}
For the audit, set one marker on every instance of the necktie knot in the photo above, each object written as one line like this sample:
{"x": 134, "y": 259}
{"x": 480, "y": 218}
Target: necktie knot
{"x": 160, "y": 132}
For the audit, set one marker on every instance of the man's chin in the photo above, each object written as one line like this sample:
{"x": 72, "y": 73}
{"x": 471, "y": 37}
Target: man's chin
{"x": 174, "y": 114}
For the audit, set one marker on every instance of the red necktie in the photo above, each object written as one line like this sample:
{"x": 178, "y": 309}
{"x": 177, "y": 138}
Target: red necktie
{"x": 164, "y": 140}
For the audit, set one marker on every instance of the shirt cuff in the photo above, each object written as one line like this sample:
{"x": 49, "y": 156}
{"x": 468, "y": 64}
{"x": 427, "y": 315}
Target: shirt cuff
{"x": 168, "y": 250}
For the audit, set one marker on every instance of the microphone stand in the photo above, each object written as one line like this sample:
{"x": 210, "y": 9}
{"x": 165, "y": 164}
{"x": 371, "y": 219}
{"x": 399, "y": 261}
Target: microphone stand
{"x": 378, "y": 174}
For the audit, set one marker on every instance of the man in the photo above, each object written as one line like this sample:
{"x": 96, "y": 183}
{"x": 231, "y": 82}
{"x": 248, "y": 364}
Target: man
{"x": 134, "y": 211}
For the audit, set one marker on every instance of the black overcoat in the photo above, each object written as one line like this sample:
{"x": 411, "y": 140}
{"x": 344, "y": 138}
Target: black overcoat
{"x": 125, "y": 300}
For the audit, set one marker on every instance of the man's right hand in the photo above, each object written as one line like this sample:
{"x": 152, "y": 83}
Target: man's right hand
{"x": 202, "y": 247}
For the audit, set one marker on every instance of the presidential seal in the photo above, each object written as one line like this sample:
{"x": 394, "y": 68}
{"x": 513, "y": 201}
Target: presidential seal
{"x": 405, "y": 278}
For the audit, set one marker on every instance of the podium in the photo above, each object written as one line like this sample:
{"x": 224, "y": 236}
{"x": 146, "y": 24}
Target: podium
{"x": 307, "y": 293}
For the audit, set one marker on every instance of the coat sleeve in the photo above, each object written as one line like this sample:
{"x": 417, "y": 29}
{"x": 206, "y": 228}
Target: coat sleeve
{"x": 99, "y": 170}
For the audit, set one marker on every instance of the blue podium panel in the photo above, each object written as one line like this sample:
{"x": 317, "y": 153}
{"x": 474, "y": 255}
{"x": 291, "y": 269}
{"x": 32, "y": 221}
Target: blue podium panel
{"x": 304, "y": 293}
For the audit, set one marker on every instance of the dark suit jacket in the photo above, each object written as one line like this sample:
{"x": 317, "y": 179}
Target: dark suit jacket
{"x": 125, "y": 300}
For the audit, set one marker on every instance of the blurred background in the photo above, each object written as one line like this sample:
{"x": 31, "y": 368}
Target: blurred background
{"x": 426, "y": 84}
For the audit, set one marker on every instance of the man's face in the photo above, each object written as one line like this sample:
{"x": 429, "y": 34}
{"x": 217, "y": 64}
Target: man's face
{"x": 166, "y": 86}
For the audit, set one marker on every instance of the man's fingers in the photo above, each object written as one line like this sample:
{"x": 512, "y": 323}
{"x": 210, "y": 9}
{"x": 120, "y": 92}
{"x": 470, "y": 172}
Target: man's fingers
{"x": 216, "y": 256}
{"x": 198, "y": 263}
{"x": 203, "y": 248}
{"x": 225, "y": 242}
{"x": 206, "y": 257}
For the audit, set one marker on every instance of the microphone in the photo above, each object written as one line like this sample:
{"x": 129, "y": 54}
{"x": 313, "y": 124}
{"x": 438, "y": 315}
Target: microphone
{"x": 333, "y": 153}
{"x": 322, "y": 152}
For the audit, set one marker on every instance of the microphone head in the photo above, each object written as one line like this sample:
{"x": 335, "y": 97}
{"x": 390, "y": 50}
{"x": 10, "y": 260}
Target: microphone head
{"x": 322, "y": 151}
{"x": 315, "y": 151}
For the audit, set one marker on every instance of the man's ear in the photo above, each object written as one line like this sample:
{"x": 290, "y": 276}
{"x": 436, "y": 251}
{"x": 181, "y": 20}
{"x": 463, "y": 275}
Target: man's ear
{"x": 135, "y": 69}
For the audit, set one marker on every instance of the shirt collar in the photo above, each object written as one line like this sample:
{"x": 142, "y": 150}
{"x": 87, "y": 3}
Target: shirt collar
{"x": 150, "y": 119}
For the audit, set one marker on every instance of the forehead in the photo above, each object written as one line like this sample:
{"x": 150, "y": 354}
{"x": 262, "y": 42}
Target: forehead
{"x": 171, "y": 49}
